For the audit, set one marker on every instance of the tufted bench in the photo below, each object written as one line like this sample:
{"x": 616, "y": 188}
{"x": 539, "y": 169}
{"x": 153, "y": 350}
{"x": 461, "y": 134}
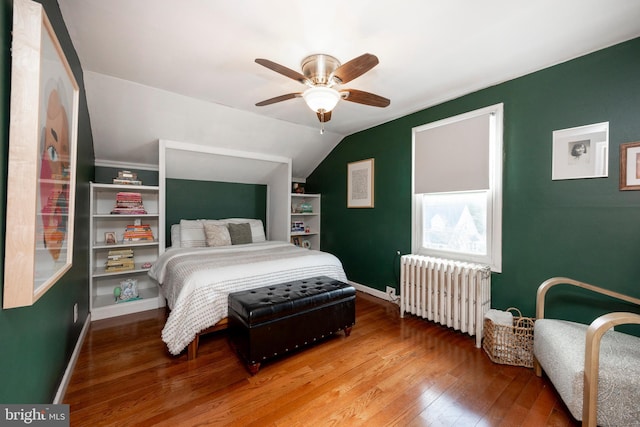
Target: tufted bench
{"x": 273, "y": 320}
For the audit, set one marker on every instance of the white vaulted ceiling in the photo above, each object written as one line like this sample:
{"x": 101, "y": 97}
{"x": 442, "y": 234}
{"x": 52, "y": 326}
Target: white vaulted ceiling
{"x": 184, "y": 70}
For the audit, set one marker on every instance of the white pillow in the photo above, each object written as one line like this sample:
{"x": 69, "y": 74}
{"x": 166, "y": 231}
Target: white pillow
{"x": 257, "y": 228}
{"x": 213, "y": 221}
{"x": 175, "y": 235}
{"x": 192, "y": 234}
{"x": 217, "y": 235}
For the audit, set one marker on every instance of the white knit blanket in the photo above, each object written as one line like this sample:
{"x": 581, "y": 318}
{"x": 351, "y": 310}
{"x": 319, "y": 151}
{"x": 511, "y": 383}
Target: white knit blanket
{"x": 197, "y": 281}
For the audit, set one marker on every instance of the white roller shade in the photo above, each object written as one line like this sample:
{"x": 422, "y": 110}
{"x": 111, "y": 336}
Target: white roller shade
{"x": 453, "y": 156}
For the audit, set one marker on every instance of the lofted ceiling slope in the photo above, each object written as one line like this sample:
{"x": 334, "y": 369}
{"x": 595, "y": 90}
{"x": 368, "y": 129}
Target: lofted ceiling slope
{"x": 185, "y": 71}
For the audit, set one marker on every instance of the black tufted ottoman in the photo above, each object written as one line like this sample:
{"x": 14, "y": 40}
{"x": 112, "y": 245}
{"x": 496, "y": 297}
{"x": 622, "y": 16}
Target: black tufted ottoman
{"x": 272, "y": 320}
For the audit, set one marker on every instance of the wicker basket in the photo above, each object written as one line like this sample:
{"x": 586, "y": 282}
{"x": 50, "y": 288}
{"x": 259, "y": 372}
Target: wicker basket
{"x": 510, "y": 345}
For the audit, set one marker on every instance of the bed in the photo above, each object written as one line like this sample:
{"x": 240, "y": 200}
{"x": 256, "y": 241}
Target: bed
{"x": 197, "y": 275}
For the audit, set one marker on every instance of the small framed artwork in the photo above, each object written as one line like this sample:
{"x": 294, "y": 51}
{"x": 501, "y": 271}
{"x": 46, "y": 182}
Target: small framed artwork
{"x": 360, "y": 181}
{"x": 295, "y": 240}
{"x": 110, "y": 237}
{"x": 581, "y": 152}
{"x": 297, "y": 187}
{"x": 41, "y": 178}
{"x": 630, "y": 166}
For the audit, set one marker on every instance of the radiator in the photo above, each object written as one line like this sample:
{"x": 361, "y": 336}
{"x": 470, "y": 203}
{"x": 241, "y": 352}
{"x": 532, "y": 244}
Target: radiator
{"x": 453, "y": 293}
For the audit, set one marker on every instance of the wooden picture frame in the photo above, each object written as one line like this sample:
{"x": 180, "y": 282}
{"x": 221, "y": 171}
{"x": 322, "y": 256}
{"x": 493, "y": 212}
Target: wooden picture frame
{"x": 360, "y": 184}
{"x": 581, "y": 152}
{"x": 110, "y": 238}
{"x": 42, "y": 159}
{"x": 630, "y": 166}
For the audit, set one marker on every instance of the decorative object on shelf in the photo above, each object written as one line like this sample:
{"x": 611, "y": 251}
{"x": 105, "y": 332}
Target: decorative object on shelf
{"x": 360, "y": 184}
{"x": 306, "y": 207}
{"x": 41, "y": 179}
{"x": 297, "y": 187}
{"x": 128, "y": 203}
{"x": 146, "y": 265}
{"x": 297, "y": 226}
{"x": 110, "y": 237}
{"x": 120, "y": 260}
{"x": 581, "y": 152}
{"x": 138, "y": 233}
{"x": 630, "y": 166}
{"x": 128, "y": 291}
{"x": 295, "y": 240}
{"x": 307, "y": 229}
{"x": 127, "y": 178}
{"x": 306, "y": 244}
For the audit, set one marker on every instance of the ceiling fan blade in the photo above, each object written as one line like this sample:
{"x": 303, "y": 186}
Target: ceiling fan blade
{"x": 366, "y": 98}
{"x": 355, "y": 68}
{"x": 324, "y": 117}
{"x": 278, "y": 99}
{"x": 288, "y": 72}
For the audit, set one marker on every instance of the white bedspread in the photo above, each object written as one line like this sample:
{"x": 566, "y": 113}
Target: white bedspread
{"x": 197, "y": 281}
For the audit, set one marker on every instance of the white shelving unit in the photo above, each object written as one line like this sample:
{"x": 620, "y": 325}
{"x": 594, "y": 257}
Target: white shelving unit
{"x": 311, "y": 220}
{"x": 102, "y": 283}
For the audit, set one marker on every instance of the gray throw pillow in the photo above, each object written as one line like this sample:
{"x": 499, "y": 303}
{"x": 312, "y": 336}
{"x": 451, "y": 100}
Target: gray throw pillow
{"x": 240, "y": 233}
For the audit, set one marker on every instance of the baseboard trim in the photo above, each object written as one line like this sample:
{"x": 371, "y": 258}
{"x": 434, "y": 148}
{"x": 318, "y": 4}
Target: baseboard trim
{"x": 62, "y": 388}
{"x": 371, "y": 291}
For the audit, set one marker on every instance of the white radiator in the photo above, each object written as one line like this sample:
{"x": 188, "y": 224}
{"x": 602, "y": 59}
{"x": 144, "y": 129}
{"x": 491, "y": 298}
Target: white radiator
{"x": 453, "y": 293}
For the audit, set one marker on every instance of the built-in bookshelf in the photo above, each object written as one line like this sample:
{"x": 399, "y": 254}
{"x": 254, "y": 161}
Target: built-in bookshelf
{"x": 305, "y": 210}
{"x": 123, "y": 229}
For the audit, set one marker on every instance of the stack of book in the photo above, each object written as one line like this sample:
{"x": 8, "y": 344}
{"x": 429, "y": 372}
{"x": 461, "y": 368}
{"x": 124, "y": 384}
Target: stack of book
{"x": 138, "y": 233}
{"x": 129, "y": 204}
{"x": 120, "y": 260}
{"x": 127, "y": 178}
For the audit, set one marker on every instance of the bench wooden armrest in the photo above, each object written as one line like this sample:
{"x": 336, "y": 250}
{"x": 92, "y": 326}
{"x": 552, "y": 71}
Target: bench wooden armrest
{"x": 596, "y": 330}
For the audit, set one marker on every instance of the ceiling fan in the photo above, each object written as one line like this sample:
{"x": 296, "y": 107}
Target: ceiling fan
{"x": 323, "y": 73}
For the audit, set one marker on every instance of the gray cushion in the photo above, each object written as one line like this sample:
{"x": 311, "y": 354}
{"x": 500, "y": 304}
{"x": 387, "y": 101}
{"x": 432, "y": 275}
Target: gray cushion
{"x": 240, "y": 233}
{"x": 559, "y": 347}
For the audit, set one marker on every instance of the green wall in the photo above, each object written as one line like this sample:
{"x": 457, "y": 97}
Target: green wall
{"x": 36, "y": 342}
{"x": 189, "y": 199}
{"x": 586, "y": 228}
{"x": 105, "y": 175}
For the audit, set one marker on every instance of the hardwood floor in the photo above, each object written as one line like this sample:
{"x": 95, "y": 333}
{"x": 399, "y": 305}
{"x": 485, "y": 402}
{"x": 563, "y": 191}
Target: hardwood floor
{"x": 389, "y": 372}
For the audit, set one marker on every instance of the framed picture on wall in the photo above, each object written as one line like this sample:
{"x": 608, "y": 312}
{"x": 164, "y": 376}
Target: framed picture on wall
{"x": 581, "y": 152}
{"x": 360, "y": 181}
{"x": 630, "y": 166}
{"x": 41, "y": 179}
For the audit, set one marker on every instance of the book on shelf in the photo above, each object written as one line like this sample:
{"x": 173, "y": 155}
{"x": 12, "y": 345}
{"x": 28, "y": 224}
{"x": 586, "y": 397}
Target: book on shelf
{"x": 129, "y": 203}
{"x": 127, "y": 181}
{"x": 127, "y": 178}
{"x": 120, "y": 260}
{"x": 120, "y": 252}
{"x": 138, "y": 233}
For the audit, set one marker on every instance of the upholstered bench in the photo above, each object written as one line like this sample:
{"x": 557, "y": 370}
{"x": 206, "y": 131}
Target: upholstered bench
{"x": 273, "y": 320}
{"x": 595, "y": 370}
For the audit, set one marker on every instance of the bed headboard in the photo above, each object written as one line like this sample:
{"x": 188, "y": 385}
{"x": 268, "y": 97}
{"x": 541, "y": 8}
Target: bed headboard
{"x": 191, "y": 199}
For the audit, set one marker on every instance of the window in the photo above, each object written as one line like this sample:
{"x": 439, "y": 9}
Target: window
{"x": 457, "y": 187}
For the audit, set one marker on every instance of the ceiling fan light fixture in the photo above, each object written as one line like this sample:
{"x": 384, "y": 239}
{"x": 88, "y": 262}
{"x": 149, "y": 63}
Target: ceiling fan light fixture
{"x": 321, "y": 98}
